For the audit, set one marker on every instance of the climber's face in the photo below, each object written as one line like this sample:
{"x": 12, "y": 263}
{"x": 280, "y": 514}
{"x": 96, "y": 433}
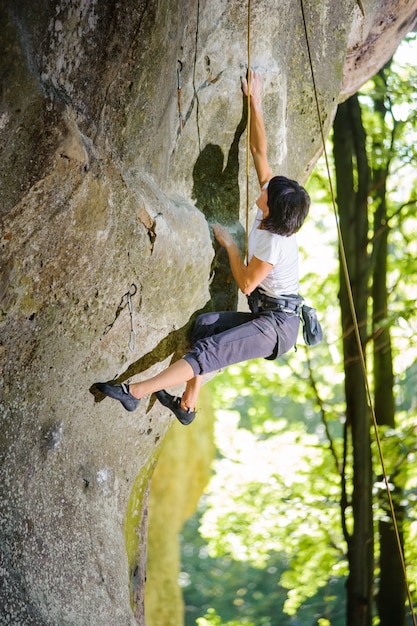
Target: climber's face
{"x": 262, "y": 202}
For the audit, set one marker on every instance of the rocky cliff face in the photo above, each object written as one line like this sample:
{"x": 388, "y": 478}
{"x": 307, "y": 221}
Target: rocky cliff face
{"x": 105, "y": 192}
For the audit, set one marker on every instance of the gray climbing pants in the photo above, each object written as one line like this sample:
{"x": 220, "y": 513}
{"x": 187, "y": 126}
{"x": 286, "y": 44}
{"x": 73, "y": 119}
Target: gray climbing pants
{"x": 221, "y": 339}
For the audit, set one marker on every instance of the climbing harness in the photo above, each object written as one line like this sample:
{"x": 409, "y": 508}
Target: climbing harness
{"x": 260, "y": 302}
{"x": 126, "y": 300}
{"x": 179, "y": 91}
{"x": 356, "y": 328}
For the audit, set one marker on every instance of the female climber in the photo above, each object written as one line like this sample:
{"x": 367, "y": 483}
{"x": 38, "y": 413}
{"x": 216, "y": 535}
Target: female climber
{"x": 270, "y": 280}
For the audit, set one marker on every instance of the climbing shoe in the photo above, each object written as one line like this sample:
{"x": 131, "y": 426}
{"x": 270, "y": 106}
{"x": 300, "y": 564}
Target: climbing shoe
{"x": 174, "y": 404}
{"x": 121, "y": 393}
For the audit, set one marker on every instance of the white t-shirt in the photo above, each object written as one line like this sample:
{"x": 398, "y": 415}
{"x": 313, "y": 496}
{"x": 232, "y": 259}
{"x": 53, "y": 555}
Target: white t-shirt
{"x": 281, "y": 252}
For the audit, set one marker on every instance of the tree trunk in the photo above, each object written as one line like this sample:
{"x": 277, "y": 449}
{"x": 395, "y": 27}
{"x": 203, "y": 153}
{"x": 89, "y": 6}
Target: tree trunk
{"x": 352, "y": 175}
{"x": 392, "y": 592}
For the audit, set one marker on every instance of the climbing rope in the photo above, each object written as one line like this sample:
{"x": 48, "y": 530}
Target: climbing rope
{"x": 248, "y": 140}
{"x": 356, "y": 327}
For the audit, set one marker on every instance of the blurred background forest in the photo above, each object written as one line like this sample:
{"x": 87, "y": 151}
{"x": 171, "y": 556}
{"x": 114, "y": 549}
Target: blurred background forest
{"x": 268, "y": 545}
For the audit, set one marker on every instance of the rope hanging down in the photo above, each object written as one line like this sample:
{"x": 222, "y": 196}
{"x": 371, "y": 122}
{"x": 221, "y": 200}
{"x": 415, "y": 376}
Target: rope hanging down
{"x": 356, "y": 326}
{"x": 248, "y": 141}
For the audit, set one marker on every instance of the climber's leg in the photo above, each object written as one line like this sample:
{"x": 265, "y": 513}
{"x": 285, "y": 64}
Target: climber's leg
{"x": 178, "y": 372}
{"x": 190, "y": 395}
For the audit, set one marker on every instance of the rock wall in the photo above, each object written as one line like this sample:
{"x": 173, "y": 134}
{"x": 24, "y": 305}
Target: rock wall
{"x": 102, "y": 193}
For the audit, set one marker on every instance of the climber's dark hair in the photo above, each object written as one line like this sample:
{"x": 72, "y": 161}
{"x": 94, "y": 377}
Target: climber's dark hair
{"x": 288, "y": 204}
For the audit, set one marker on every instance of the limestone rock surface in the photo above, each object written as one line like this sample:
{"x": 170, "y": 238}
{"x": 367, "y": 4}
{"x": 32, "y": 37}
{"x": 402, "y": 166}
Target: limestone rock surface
{"x": 109, "y": 180}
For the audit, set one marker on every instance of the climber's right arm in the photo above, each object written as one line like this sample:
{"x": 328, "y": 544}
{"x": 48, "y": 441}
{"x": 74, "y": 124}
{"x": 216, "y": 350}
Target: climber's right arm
{"x": 258, "y": 141}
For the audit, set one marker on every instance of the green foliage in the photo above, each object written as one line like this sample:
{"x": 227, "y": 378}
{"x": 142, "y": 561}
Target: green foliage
{"x": 285, "y": 494}
{"x": 399, "y": 449}
{"x": 240, "y": 591}
{"x": 212, "y": 619}
{"x": 237, "y": 589}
